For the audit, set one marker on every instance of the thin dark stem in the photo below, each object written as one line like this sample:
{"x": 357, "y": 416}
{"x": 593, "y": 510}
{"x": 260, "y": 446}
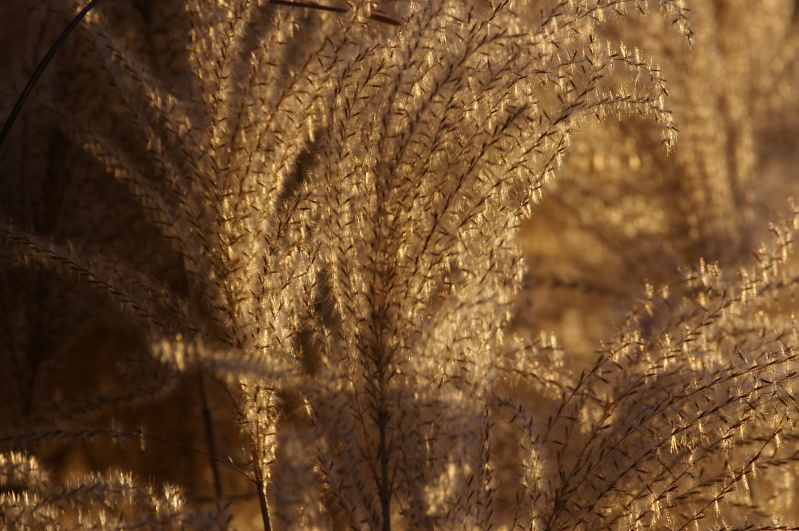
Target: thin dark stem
{"x": 309, "y": 5}
{"x": 385, "y": 491}
{"x": 376, "y": 16}
{"x": 259, "y": 484}
{"x": 210, "y": 440}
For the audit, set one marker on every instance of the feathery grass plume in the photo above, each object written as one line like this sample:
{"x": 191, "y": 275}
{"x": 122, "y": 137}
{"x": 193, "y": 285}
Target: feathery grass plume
{"x": 334, "y": 207}
{"x": 439, "y": 141}
{"x": 215, "y": 172}
{"x": 687, "y": 417}
{"x": 219, "y": 179}
{"x": 622, "y": 209}
{"x": 108, "y": 501}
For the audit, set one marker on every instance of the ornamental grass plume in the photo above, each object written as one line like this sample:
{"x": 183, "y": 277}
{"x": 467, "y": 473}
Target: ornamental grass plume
{"x": 264, "y": 268}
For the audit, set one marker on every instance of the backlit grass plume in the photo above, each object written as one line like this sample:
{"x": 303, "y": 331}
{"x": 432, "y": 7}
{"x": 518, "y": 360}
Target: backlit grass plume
{"x": 294, "y": 229}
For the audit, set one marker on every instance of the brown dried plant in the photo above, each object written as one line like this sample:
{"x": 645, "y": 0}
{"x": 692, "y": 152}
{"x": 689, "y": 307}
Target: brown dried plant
{"x": 283, "y": 239}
